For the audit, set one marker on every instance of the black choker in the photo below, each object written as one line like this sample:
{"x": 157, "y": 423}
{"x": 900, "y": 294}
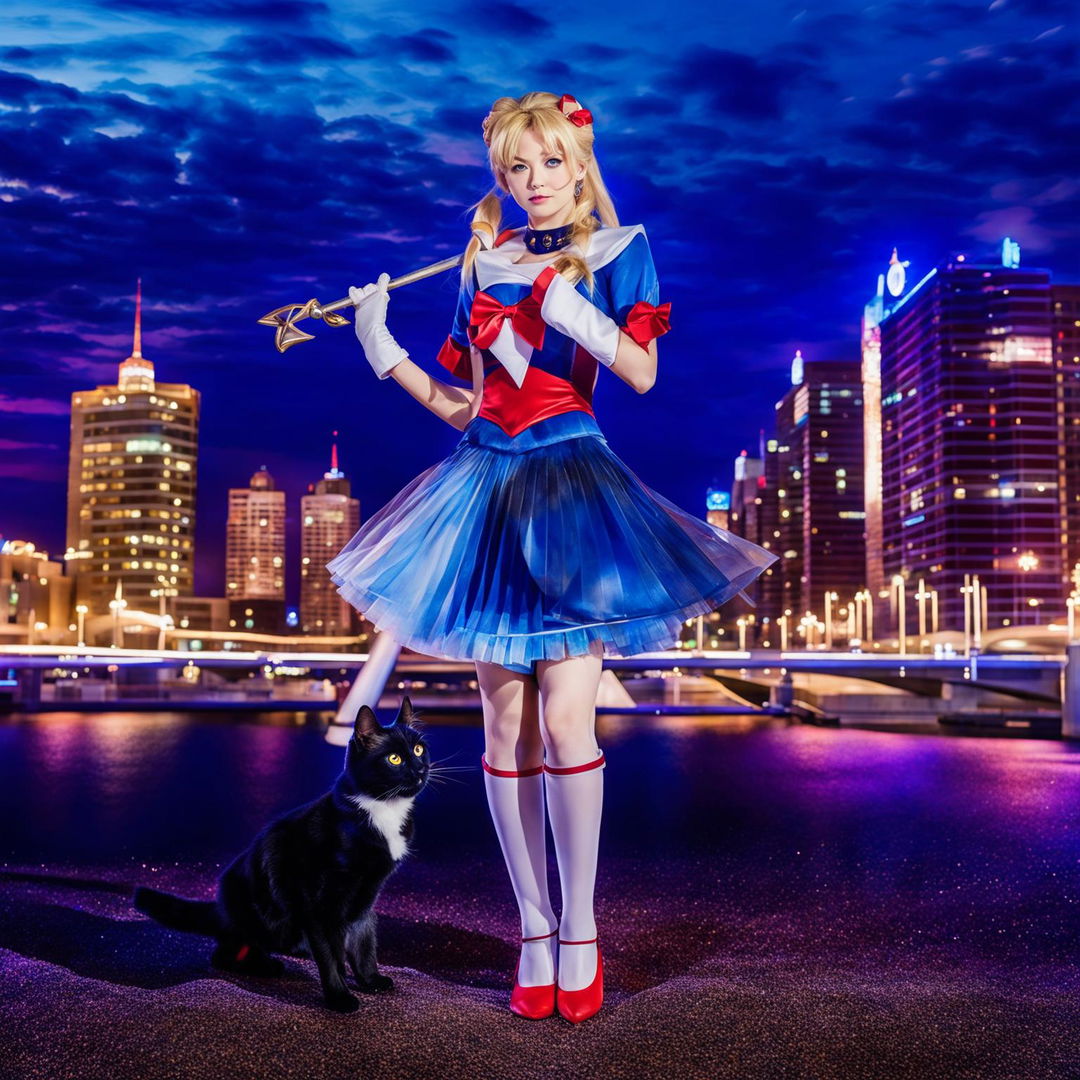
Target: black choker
{"x": 543, "y": 241}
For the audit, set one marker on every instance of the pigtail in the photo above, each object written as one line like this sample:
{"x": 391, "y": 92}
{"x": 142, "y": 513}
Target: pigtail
{"x": 593, "y": 207}
{"x": 486, "y": 222}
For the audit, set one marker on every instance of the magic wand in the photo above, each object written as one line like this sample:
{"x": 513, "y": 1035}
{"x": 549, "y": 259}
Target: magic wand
{"x": 284, "y": 319}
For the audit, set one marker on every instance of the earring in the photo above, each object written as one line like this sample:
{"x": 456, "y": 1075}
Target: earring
{"x": 577, "y": 189}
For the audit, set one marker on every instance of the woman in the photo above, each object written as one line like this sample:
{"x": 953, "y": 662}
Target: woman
{"x": 532, "y": 550}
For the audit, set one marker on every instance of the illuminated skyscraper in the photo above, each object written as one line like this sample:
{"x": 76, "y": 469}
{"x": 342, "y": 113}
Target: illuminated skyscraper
{"x": 329, "y": 518}
{"x": 718, "y": 507}
{"x": 970, "y": 433}
{"x": 890, "y": 291}
{"x": 745, "y": 512}
{"x": 819, "y": 486}
{"x": 255, "y": 556}
{"x": 131, "y": 487}
{"x": 1066, "y": 326}
{"x": 35, "y": 595}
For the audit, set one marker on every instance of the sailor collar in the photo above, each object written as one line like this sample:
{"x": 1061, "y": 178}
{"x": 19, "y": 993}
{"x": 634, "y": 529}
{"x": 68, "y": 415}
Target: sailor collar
{"x": 497, "y": 266}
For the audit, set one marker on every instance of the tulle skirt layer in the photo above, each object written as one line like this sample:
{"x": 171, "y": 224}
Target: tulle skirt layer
{"x": 538, "y": 547}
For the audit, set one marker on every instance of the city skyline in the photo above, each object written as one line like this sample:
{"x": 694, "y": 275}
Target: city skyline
{"x": 233, "y": 177}
{"x": 260, "y": 510}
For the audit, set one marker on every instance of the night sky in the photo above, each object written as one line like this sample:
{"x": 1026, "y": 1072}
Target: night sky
{"x": 241, "y": 155}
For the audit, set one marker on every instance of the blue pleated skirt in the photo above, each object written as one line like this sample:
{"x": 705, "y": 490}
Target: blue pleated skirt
{"x": 540, "y": 546}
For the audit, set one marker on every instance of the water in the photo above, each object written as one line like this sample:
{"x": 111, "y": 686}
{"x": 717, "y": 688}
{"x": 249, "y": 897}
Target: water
{"x": 85, "y": 790}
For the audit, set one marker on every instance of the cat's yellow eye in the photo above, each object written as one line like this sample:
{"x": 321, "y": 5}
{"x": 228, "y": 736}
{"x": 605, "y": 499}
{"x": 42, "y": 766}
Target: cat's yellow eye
{"x": 394, "y": 759}
{"x": 418, "y": 750}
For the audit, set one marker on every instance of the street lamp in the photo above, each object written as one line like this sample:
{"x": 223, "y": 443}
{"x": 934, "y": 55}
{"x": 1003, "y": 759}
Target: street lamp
{"x": 80, "y": 611}
{"x": 864, "y": 616}
{"x": 740, "y": 622}
{"x": 830, "y": 599}
{"x": 922, "y": 596}
{"x": 899, "y": 584}
{"x": 978, "y": 611}
{"x": 116, "y": 606}
{"x": 975, "y": 605}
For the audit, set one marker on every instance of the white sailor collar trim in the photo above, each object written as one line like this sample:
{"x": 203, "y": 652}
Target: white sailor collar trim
{"x": 497, "y": 266}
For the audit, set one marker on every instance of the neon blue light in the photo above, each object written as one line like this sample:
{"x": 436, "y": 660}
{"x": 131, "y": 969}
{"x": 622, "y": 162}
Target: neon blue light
{"x": 718, "y": 500}
{"x": 904, "y": 299}
{"x": 914, "y": 520}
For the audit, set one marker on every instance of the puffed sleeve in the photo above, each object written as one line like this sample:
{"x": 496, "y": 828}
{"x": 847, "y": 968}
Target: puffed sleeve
{"x": 454, "y": 355}
{"x": 634, "y": 293}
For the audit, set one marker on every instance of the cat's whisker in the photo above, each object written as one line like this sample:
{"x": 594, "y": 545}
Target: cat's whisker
{"x": 444, "y": 780}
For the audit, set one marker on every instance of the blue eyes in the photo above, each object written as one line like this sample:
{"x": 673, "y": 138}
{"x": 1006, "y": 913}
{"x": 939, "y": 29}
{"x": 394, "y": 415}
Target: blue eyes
{"x": 552, "y": 162}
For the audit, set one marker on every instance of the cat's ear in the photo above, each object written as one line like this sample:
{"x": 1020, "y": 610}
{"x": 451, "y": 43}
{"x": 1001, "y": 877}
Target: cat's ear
{"x": 405, "y": 715}
{"x": 367, "y": 724}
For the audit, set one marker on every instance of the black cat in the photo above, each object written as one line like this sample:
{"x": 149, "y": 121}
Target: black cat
{"x": 310, "y": 879}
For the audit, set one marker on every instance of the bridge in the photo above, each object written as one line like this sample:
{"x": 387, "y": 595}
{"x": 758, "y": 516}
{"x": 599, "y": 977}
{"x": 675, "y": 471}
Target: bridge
{"x": 1008, "y": 689}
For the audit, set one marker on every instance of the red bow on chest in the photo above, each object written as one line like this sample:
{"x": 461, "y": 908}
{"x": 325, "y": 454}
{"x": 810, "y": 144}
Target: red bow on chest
{"x": 487, "y": 315}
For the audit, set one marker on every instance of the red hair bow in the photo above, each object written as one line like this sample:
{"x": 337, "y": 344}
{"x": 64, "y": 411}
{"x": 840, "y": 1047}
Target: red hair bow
{"x": 572, "y": 110}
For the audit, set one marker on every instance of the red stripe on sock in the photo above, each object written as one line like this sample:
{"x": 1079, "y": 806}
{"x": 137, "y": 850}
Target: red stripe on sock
{"x": 542, "y": 937}
{"x": 591, "y": 941}
{"x": 509, "y": 772}
{"x": 587, "y": 767}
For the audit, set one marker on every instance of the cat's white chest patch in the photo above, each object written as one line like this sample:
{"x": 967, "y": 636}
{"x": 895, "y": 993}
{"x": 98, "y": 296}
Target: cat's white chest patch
{"x": 388, "y": 816}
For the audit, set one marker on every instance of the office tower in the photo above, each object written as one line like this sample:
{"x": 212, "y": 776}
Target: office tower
{"x": 35, "y": 596}
{"x": 969, "y": 440}
{"x": 809, "y": 504}
{"x": 828, "y": 405}
{"x": 1066, "y": 336}
{"x": 746, "y": 497}
{"x": 329, "y": 518}
{"x": 890, "y": 290}
{"x": 255, "y": 556}
{"x": 718, "y": 507}
{"x": 131, "y": 488}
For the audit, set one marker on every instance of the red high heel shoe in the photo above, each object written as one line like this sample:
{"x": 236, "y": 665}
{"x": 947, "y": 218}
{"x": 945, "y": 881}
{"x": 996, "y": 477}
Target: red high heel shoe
{"x": 533, "y": 1002}
{"x": 578, "y": 1005}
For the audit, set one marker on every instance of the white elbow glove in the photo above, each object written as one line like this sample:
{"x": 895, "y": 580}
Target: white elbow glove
{"x": 564, "y": 309}
{"x": 382, "y": 351}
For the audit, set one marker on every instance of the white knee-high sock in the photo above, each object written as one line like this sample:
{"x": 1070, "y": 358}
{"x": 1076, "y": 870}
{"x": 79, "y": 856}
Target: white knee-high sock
{"x": 516, "y": 802}
{"x": 575, "y": 799}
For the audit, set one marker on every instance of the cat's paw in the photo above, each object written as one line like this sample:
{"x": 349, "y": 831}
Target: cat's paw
{"x": 343, "y": 1002}
{"x": 377, "y": 984}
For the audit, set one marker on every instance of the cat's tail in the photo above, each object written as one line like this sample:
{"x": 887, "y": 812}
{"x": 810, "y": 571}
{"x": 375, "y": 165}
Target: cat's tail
{"x": 195, "y": 916}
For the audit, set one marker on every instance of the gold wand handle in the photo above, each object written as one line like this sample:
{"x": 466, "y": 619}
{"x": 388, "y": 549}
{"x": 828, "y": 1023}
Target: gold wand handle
{"x": 284, "y": 319}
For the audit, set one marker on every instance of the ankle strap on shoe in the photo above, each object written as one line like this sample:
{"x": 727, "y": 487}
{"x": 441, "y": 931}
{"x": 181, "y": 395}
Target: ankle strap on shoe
{"x": 591, "y": 941}
{"x": 509, "y": 772}
{"x": 553, "y": 770}
{"x": 541, "y": 937}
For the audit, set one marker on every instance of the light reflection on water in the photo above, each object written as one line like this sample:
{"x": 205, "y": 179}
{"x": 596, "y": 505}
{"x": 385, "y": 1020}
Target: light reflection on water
{"x": 794, "y": 800}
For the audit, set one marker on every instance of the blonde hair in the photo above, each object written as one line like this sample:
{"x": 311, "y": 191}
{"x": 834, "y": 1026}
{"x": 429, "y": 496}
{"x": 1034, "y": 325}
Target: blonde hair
{"x": 539, "y": 112}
